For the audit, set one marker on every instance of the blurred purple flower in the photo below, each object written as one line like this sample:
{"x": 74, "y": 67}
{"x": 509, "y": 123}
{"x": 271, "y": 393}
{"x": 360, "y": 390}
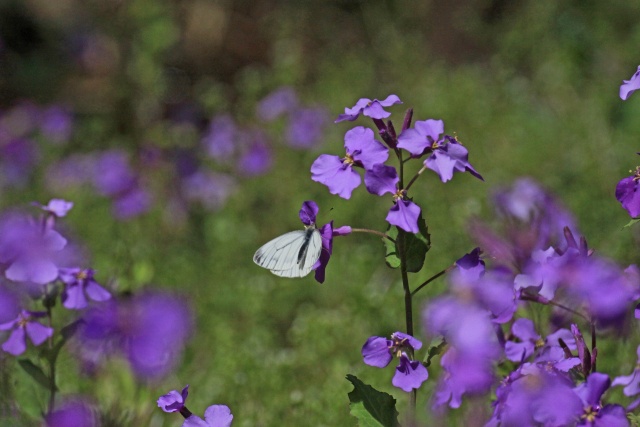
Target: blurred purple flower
{"x": 256, "y": 159}
{"x": 73, "y": 171}
{"x": 362, "y": 150}
{"x": 57, "y": 207}
{"x": 149, "y": 329}
{"x": 173, "y": 401}
{"x": 22, "y": 326}
{"x": 19, "y": 157}
{"x": 78, "y": 283}
{"x": 593, "y": 413}
{"x": 277, "y": 103}
{"x": 209, "y": 188}
{"x": 219, "y": 140}
{"x": 524, "y": 330}
{"x": 56, "y": 124}
{"x": 113, "y": 174}
{"x": 214, "y": 416}
{"x": 630, "y": 86}
{"x": 628, "y": 195}
{"x": 30, "y": 252}
{"x": 9, "y": 305}
{"x": 369, "y": 108}
{"x": 306, "y": 127}
{"x": 630, "y": 382}
{"x": 131, "y": 203}
{"x": 75, "y": 413}
{"x": 379, "y": 351}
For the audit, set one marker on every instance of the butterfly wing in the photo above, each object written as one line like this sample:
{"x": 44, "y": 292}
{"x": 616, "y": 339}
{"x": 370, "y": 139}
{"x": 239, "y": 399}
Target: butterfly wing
{"x": 291, "y": 255}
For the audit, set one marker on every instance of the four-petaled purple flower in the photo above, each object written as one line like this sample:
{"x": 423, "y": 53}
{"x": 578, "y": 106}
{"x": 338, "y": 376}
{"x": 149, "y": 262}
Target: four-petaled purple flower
{"x": 369, "y": 108}
{"x": 337, "y": 173}
{"x": 628, "y": 195}
{"x": 630, "y": 86}
{"x": 173, "y": 401}
{"x": 379, "y": 351}
{"x": 79, "y": 282}
{"x": 214, "y": 415}
{"x": 21, "y": 327}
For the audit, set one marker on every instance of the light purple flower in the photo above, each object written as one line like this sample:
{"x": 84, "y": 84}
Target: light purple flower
{"x": 219, "y": 139}
{"x": 256, "y": 159}
{"x": 404, "y": 214}
{"x": 80, "y": 282}
{"x": 593, "y": 413}
{"x": 73, "y": 413}
{"x": 362, "y": 150}
{"x": 24, "y": 326}
{"x": 379, "y": 351}
{"x": 132, "y": 203}
{"x": 628, "y": 195}
{"x": 449, "y": 156}
{"x": 173, "y": 401}
{"x": 9, "y": 305}
{"x": 30, "y": 252}
{"x": 369, "y": 108}
{"x": 524, "y": 330}
{"x": 214, "y": 416}
{"x": 630, "y": 86}
{"x": 381, "y": 179}
{"x": 277, "y": 103}
{"x": 211, "y": 189}
{"x": 57, "y": 207}
{"x": 630, "y": 382}
{"x": 149, "y": 330}
{"x": 306, "y": 127}
{"x": 56, "y": 124}
{"x": 422, "y": 137}
{"x": 113, "y": 174}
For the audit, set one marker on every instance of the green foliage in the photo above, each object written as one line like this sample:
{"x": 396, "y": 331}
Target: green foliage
{"x": 416, "y": 246}
{"x": 35, "y": 372}
{"x": 371, "y": 407}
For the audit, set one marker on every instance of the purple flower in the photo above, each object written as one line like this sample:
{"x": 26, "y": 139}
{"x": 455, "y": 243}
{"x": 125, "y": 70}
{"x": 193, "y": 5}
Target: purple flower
{"x": 9, "y": 305}
{"x": 306, "y": 127}
{"x": 379, "y": 351}
{"x": 327, "y": 233}
{"x": 78, "y": 283}
{"x": 628, "y": 195}
{"x": 214, "y": 416}
{"x": 630, "y": 382}
{"x": 211, "y": 189}
{"x": 362, "y": 150}
{"x": 19, "y": 157}
{"x": 449, "y": 156}
{"x": 424, "y": 136}
{"x": 257, "y": 159}
{"x": 132, "y": 203}
{"x": 219, "y": 139}
{"x": 173, "y": 401}
{"x": 56, "y": 124}
{"x": 22, "y": 326}
{"x": 113, "y": 174}
{"x": 593, "y": 413}
{"x": 369, "y": 108}
{"x": 149, "y": 329}
{"x": 29, "y": 251}
{"x": 278, "y": 102}
{"x": 404, "y": 214}
{"x": 630, "y": 86}
{"x": 72, "y": 413}
{"x": 524, "y": 330}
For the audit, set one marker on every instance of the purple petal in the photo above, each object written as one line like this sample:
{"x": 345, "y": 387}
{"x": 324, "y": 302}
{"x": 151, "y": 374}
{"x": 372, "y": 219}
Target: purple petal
{"x": 9, "y": 307}
{"x": 342, "y": 231}
{"x": 73, "y": 298}
{"x": 308, "y": 212}
{"x": 278, "y": 102}
{"x": 414, "y": 343}
{"x": 628, "y": 195}
{"x": 341, "y": 179}
{"x": 195, "y": 421}
{"x": 96, "y": 292}
{"x": 630, "y": 86}
{"x": 518, "y": 351}
{"x": 31, "y": 269}
{"x": 173, "y": 401}
{"x": 413, "y": 141}
{"x": 361, "y": 144}
{"x": 375, "y": 111}
{"x": 218, "y": 416}
{"x": 390, "y": 100}
{"x": 74, "y": 413}
{"x": 409, "y": 374}
{"x": 376, "y": 352}
{"x": 524, "y": 329}
{"x": 381, "y": 179}
{"x": 592, "y": 390}
{"x": 404, "y": 214}
{"x": 16, "y": 344}
{"x": 326, "y": 233}
{"x": 612, "y": 416}
{"x": 442, "y": 164}
{"x": 38, "y": 333}
{"x": 58, "y": 207}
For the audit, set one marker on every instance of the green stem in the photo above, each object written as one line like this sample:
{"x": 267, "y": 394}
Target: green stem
{"x": 415, "y": 177}
{"x": 408, "y": 310}
{"x": 431, "y": 279}
{"x": 377, "y": 233}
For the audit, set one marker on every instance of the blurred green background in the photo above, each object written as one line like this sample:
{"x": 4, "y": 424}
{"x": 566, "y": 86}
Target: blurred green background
{"x": 530, "y": 87}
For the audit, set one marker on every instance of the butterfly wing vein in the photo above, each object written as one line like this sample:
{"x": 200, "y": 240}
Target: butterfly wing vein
{"x": 291, "y": 255}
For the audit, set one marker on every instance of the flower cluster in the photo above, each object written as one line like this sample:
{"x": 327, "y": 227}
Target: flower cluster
{"x": 214, "y": 415}
{"x": 442, "y": 153}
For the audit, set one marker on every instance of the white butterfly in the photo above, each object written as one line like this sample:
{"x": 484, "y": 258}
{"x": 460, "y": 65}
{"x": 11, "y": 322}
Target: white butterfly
{"x": 291, "y": 255}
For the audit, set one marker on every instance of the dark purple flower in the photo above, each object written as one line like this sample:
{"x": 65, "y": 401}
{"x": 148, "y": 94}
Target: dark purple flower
{"x": 29, "y": 251}
{"x": 56, "y": 124}
{"x": 79, "y": 282}
{"x": 422, "y": 137}
{"x": 277, "y": 103}
{"x": 219, "y": 140}
{"x": 214, "y": 416}
{"x": 449, "y": 156}
{"x": 369, "y": 108}
{"x": 379, "y": 351}
{"x": 628, "y": 195}
{"x": 470, "y": 267}
{"x": 362, "y": 150}
{"x": 306, "y": 127}
{"x": 73, "y": 413}
{"x": 22, "y": 326}
{"x": 630, "y": 86}
{"x": 173, "y": 401}
{"x": 149, "y": 329}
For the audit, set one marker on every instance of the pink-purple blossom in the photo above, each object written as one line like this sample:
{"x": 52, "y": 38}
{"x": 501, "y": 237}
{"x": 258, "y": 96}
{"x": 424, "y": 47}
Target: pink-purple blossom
{"x": 370, "y": 108}
{"x": 23, "y": 326}
{"x": 630, "y": 86}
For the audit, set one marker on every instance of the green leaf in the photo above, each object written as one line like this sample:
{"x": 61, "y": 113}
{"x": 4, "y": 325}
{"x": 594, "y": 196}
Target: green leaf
{"x": 35, "y": 372}
{"x": 371, "y": 407}
{"x": 632, "y": 222}
{"x": 435, "y": 350}
{"x": 416, "y": 246}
